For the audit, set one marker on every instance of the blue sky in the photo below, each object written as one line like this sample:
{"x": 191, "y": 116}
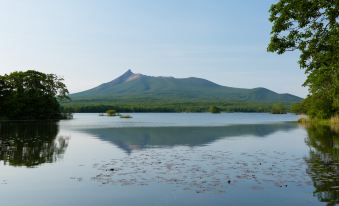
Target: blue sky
{"x": 91, "y": 42}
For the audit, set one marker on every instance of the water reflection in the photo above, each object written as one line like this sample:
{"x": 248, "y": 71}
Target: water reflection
{"x": 201, "y": 169}
{"x": 133, "y": 138}
{"x": 30, "y": 143}
{"x": 323, "y": 163}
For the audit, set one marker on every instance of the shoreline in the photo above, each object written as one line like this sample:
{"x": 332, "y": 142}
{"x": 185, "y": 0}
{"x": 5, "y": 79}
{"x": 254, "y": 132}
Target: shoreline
{"x": 332, "y": 122}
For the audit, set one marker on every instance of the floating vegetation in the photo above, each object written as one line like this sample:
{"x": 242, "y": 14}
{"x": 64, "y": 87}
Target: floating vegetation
{"x": 205, "y": 171}
{"x": 111, "y": 112}
{"x": 125, "y": 116}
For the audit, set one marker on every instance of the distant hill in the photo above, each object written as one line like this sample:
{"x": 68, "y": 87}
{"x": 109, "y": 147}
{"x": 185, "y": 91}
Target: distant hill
{"x": 134, "y": 87}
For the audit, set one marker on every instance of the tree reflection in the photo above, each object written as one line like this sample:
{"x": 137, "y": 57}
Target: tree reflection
{"x": 323, "y": 162}
{"x": 30, "y": 143}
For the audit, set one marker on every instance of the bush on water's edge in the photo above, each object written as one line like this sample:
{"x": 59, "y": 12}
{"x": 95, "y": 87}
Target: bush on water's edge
{"x": 66, "y": 116}
{"x": 111, "y": 112}
{"x": 333, "y": 122}
{"x": 214, "y": 109}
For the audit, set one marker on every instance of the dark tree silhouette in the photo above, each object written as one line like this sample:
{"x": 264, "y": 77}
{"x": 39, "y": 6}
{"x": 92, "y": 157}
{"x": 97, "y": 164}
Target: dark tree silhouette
{"x": 31, "y": 95}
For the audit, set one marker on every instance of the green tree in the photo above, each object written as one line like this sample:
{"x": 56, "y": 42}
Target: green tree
{"x": 31, "y": 95}
{"x": 214, "y": 109}
{"x": 311, "y": 27}
{"x": 3, "y": 94}
{"x": 111, "y": 112}
{"x": 278, "y": 109}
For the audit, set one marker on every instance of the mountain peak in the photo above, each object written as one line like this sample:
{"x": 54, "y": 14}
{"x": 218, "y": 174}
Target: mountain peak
{"x": 125, "y": 77}
{"x": 128, "y": 73}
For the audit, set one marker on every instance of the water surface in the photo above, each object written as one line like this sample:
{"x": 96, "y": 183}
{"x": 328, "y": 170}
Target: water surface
{"x": 169, "y": 159}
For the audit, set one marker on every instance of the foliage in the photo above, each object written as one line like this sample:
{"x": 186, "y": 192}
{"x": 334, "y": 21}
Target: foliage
{"x": 298, "y": 108}
{"x": 31, "y": 95}
{"x": 126, "y": 116}
{"x": 312, "y": 28}
{"x": 111, "y": 112}
{"x": 214, "y": 109}
{"x": 333, "y": 122}
{"x": 278, "y": 109}
{"x": 162, "y": 106}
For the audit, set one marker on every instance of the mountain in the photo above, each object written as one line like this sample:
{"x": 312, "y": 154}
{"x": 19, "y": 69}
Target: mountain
{"x": 131, "y": 86}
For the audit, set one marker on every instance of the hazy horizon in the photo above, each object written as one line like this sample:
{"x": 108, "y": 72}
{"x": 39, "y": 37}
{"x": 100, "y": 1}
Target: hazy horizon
{"x": 89, "y": 43}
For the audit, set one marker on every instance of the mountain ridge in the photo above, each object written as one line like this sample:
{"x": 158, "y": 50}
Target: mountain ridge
{"x": 131, "y": 86}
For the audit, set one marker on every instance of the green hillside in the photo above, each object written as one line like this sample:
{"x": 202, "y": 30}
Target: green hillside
{"x": 131, "y": 87}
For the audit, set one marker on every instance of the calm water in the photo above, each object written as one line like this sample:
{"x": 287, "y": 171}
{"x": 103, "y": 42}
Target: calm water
{"x": 169, "y": 159}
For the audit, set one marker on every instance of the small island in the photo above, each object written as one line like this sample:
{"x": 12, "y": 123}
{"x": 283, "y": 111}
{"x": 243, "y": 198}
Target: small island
{"x": 32, "y": 95}
{"x": 114, "y": 113}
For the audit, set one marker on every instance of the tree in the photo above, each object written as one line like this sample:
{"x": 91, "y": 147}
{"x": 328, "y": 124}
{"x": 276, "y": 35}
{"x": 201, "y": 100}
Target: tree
{"x": 111, "y": 112}
{"x": 214, "y": 109}
{"x": 311, "y": 27}
{"x": 278, "y": 109}
{"x": 3, "y": 94}
{"x": 31, "y": 95}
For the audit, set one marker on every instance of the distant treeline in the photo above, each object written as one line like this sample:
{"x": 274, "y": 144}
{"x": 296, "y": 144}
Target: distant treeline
{"x": 93, "y": 107}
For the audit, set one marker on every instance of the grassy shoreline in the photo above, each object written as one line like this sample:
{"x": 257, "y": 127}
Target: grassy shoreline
{"x": 331, "y": 121}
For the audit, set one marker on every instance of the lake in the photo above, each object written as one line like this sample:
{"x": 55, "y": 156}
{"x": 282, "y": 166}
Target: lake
{"x": 169, "y": 159}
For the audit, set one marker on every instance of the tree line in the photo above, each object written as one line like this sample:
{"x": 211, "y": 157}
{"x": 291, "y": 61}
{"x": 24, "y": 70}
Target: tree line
{"x": 214, "y": 107}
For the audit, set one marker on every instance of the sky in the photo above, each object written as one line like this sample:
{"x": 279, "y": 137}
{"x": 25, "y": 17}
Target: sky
{"x": 94, "y": 41}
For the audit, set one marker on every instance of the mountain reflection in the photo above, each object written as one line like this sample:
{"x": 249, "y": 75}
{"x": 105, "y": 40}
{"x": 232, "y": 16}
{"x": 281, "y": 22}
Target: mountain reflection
{"x": 323, "y": 163}
{"x": 30, "y": 143}
{"x": 132, "y": 138}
